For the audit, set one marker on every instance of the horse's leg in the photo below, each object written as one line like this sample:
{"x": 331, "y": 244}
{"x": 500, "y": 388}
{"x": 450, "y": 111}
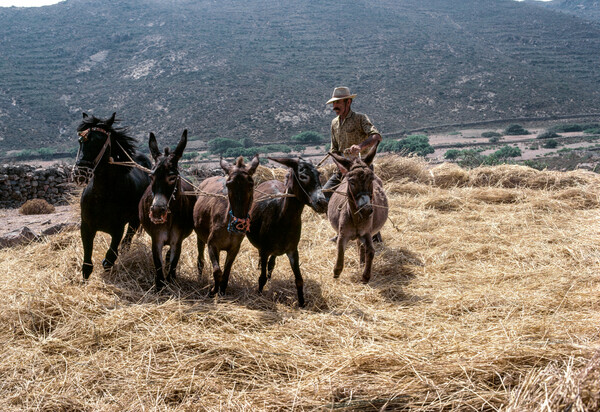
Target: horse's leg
{"x": 271, "y": 266}
{"x": 231, "y": 254}
{"x": 213, "y": 255}
{"x": 339, "y": 263}
{"x": 87, "y": 238}
{"x": 295, "y": 264}
{"x": 262, "y": 280}
{"x": 113, "y": 251}
{"x": 369, "y": 252}
{"x": 174, "y": 259}
{"x": 159, "y": 279}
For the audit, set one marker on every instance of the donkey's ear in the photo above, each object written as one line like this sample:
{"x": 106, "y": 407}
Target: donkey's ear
{"x": 225, "y": 165}
{"x": 254, "y": 165}
{"x": 368, "y": 159}
{"x": 181, "y": 145}
{"x": 154, "y": 150}
{"x": 85, "y": 116}
{"x": 290, "y": 162}
{"x": 110, "y": 121}
{"x": 341, "y": 162}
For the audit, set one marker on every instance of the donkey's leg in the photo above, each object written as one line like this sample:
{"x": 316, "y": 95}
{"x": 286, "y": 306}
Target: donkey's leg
{"x": 339, "y": 264}
{"x": 360, "y": 248}
{"x": 113, "y": 251}
{"x": 87, "y": 238}
{"x": 295, "y": 264}
{"x": 271, "y": 266}
{"x": 262, "y": 280}
{"x": 201, "y": 245}
{"x": 174, "y": 254}
{"x": 167, "y": 262}
{"x": 213, "y": 254}
{"x": 231, "y": 255}
{"x": 126, "y": 243}
{"x": 159, "y": 279}
{"x": 369, "y": 253}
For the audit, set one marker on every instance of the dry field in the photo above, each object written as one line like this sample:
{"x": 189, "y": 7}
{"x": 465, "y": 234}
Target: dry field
{"x": 484, "y": 296}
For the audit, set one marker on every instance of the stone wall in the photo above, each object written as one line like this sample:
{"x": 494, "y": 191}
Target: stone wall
{"x": 19, "y": 183}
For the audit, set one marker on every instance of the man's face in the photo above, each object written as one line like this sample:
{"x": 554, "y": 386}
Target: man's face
{"x": 341, "y": 107}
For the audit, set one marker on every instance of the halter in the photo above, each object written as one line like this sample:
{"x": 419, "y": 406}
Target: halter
{"x": 237, "y": 225}
{"x": 172, "y": 197}
{"x": 82, "y": 174}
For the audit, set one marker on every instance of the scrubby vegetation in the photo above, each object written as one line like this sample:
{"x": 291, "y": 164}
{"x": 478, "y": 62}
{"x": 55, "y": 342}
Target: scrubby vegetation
{"x": 515, "y": 130}
{"x": 413, "y": 144}
{"x": 36, "y": 207}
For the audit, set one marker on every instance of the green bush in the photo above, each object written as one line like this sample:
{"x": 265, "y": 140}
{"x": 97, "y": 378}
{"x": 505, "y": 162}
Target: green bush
{"x": 550, "y": 144}
{"x": 452, "y": 154}
{"x": 515, "y": 130}
{"x": 471, "y": 158}
{"x": 220, "y": 145}
{"x": 507, "y": 151}
{"x": 189, "y": 155}
{"x": 308, "y": 138}
{"x": 567, "y": 128}
{"x": 417, "y": 144}
{"x": 491, "y": 134}
{"x": 494, "y": 139}
{"x": 548, "y": 134}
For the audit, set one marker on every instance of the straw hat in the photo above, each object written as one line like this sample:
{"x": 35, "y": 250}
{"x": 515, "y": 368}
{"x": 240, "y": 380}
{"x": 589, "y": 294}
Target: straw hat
{"x": 340, "y": 93}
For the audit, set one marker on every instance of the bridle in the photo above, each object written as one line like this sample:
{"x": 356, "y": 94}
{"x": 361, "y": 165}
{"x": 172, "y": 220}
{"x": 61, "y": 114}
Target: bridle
{"x": 82, "y": 174}
{"x": 172, "y": 197}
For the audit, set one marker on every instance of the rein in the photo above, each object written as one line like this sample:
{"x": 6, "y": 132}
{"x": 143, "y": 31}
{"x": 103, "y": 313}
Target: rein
{"x": 82, "y": 175}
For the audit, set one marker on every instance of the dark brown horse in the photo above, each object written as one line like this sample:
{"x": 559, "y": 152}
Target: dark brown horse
{"x": 110, "y": 199}
{"x": 222, "y": 220}
{"x": 357, "y": 210}
{"x": 164, "y": 210}
{"x": 276, "y": 224}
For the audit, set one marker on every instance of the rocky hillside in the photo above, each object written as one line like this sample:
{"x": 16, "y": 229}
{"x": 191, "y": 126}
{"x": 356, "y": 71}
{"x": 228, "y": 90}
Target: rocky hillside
{"x": 264, "y": 69}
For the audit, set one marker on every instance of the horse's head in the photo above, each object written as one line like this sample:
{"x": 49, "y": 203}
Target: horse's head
{"x": 94, "y": 146}
{"x": 359, "y": 176}
{"x": 240, "y": 190}
{"x": 304, "y": 182}
{"x": 164, "y": 177}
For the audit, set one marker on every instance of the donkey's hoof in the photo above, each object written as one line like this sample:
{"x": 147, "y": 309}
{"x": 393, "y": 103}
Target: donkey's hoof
{"x": 107, "y": 264}
{"x": 365, "y": 280}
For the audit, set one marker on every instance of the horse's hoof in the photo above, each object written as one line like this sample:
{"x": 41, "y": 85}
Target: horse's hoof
{"x": 107, "y": 264}
{"x": 365, "y": 280}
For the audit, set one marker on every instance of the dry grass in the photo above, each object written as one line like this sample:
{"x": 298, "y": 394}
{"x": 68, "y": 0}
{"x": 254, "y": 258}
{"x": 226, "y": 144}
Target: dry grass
{"x": 482, "y": 298}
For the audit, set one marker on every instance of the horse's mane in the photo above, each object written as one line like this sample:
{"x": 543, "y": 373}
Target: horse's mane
{"x": 119, "y": 134}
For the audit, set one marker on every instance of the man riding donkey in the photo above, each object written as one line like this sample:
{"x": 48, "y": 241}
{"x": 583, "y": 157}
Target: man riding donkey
{"x": 352, "y": 134}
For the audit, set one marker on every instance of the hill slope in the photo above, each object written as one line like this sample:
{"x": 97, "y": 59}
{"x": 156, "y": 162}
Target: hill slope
{"x": 264, "y": 69}
{"x": 586, "y": 9}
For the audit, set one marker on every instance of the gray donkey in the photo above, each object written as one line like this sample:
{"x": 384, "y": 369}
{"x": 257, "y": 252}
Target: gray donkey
{"x": 357, "y": 209}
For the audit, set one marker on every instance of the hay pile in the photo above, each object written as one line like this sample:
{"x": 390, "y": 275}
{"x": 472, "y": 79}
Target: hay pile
{"x": 483, "y": 297}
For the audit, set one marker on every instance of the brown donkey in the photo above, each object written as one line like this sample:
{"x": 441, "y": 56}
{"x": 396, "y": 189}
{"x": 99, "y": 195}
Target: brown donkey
{"x": 276, "y": 223}
{"x": 221, "y": 221}
{"x": 357, "y": 210}
{"x": 165, "y": 211}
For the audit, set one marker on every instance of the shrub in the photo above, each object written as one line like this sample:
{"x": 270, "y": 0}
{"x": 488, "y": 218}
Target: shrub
{"x": 220, "y": 145}
{"x": 491, "y": 134}
{"x": 566, "y": 128}
{"x": 548, "y": 134}
{"x": 471, "y": 158}
{"x": 417, "y": 144}
{"x": 452, "y": 154}
{"x": 36, "y": 207}
{"x": 515, "y": 130}
{"x": 247, "y": 142}
{"x": 308, "y": 138}
{"x": 189, "y": 155}
{"x": 507, "y": 151}
{"x": 494, "y": 139}
{"x": 550, "y": 144}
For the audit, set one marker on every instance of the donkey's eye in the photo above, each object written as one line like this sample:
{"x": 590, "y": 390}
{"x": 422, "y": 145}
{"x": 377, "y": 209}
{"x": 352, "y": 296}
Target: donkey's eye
{"x": 304, "y": 178}
{"x": 171, "y": 179}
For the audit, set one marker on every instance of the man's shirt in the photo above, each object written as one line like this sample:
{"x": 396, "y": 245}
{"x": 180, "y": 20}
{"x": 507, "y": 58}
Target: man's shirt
{"x": 355, "y": 128}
